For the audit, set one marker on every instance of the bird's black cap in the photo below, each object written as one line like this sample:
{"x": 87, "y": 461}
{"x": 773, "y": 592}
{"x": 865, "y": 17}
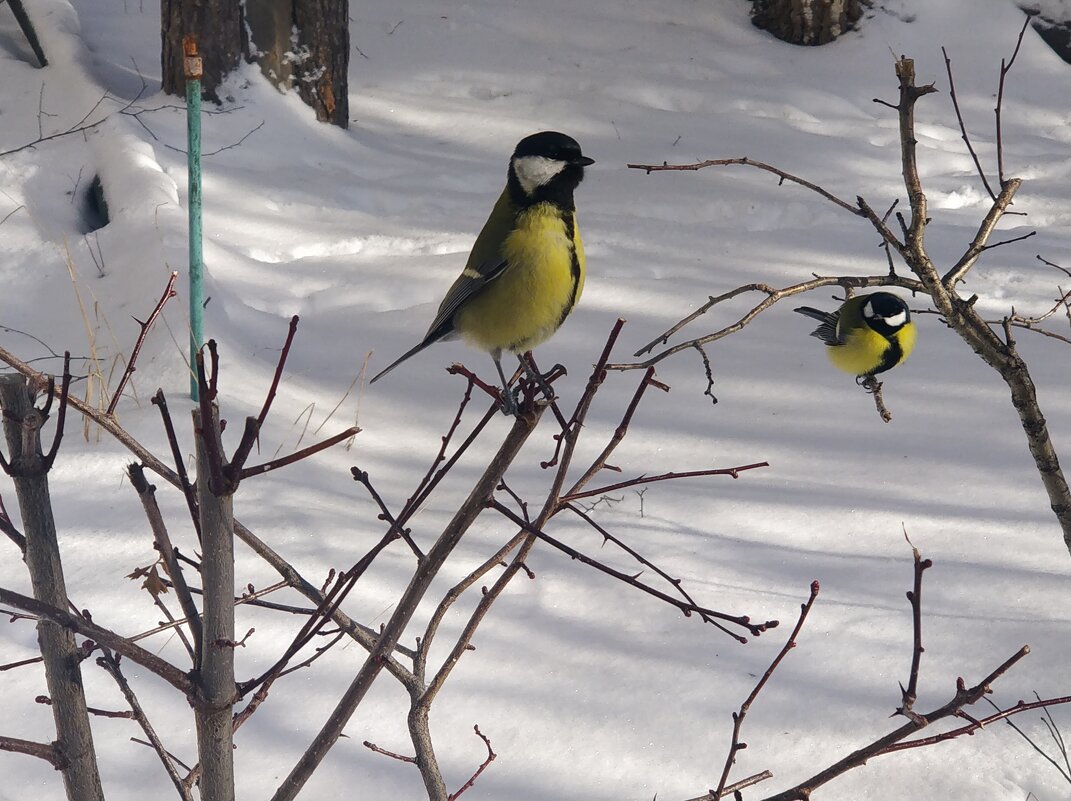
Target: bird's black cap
{"x": 552, "y": 145}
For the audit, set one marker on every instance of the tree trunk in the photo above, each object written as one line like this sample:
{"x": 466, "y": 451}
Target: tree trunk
{"x": 215, "y": 733}
{"x": 305, "y": 44}
{"x": 216, "y": 25}
{"x": 28, "y": 30}
{"x": 806, "y": 22}
{"x": 60, "y": 652}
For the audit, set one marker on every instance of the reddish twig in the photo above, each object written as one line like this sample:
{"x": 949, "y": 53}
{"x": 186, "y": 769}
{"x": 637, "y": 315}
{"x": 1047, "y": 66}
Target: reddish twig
{"x": 981, "y": 723}
{"x": 253, "y": 425}
{"x": 111, "y": 664}
{"x": 61, "y": 415}
{"x": 400, "y": 757}
{"x": 726, "y": 471}
{"x": 914, "y": 595}
{"x": 895, "y": 740}
{"x": 169, "y": 292}
{"x": 676, "y": 583}
{"x": 160, "y": 402}
{"x": 205, "y": 394}
{"x": 707, "y": 615}
{"x": 483, "y": 766}
{"x": 278, "y": 372}
{"x": 1054, "y": 733}
{"x": 315, "y": 622}
{"x": 738, "y": 717}
{"x": 362, "y": 478}
{"x": 297, "y": 456}
{"x": 598, "y": 375}
{"x": 495, "y": 393}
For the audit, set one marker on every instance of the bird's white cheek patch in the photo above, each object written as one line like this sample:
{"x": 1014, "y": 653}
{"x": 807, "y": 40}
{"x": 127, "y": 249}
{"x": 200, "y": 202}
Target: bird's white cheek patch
{"x": 896, "y": 320}
{"x": 536, "y": 171}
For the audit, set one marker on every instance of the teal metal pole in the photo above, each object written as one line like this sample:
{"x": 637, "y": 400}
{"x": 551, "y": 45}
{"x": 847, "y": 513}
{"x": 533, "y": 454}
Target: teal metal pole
{"x": 192, "y": 70}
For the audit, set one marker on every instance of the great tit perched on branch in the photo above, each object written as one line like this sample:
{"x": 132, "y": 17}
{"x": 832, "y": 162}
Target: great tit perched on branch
{"x": 868, "y": 334}
{"x": 526, "y": 270}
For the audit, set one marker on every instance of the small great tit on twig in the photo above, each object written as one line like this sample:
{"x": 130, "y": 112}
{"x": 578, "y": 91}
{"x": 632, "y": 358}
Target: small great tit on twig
{"x": 526, "y": 270}
{"x": 868, "y": 334}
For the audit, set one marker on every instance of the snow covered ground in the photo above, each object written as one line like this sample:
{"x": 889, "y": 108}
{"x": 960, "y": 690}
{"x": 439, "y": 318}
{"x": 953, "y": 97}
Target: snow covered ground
{"x": 585, "y": 688}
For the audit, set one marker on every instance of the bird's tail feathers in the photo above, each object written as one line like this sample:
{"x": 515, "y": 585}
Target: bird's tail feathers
{"x": 411, "y": 352}
{"x": 817, "y": 314}
{"x": 827, "y": 331}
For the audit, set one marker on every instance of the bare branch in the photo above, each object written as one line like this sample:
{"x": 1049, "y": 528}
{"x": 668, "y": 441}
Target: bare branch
{"x": 123, "y": 645}
{"x": 111, "y": 664}
{"x": 963, "y": 127}
{"x": 915, "y": 597}
{"x": 708, "y": 615}
{"x": 773, "y": 295}
{"x": 45, "y": 751}
{"x": 147, "y": 494}
{"x": 738, "y": 717}
{"x": 735, "y": 787}
{"x": 733, "y": 472}
{"x": 169, "y": 292}
{"x": 1005, "y": 68}
{"x": 297, "y": 456}
{"x": 748, "y": 162}
{"x": 483, "y": 766}
{"x": 400, "y": 757}
{"x": 985, "y": 230}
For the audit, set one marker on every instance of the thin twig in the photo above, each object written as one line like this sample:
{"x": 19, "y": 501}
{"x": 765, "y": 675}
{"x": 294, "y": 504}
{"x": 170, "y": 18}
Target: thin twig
{"x": 708, "y": 615}
{"x": 736, "y": 786}
{"x": 738, "y": 717}
{"x": 187, "y": 488}
{"x": 169, "y": 292}
{"x": 483, "y": 766}
{"x": 297, "y": 456}
{"x": 749, "y": 162}
{"x": 111, "y": 664}
{"x": 733, "y": 472}
{"x": 400, "y": 757}
{"x": 963, "y": 127}
{"x": 914, "y": 595}
{"x": 1005, "y": 68}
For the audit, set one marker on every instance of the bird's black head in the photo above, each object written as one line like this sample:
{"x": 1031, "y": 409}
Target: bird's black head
{"x": 546, "y": 167}
{"x": 885, "y": 312}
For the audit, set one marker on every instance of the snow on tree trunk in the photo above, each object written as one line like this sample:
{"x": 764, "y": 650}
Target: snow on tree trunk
{"x": 217, "y": 27}
{"x": 305, "y": 44}
{"x": 806, "y": 22}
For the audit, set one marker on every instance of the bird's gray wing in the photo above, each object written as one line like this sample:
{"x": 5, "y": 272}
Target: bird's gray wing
{"x": 827, "y": 330}
{"x": 468, "y": 284}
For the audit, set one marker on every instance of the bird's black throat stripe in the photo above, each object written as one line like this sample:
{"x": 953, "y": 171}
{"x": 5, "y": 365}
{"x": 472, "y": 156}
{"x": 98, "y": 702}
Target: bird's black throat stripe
{"x": 892, "y": 356}
{"x": 569, "y": 221}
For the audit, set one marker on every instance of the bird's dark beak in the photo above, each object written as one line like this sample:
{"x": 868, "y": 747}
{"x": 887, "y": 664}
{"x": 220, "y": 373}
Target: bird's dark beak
{"x": 583, "y": 161}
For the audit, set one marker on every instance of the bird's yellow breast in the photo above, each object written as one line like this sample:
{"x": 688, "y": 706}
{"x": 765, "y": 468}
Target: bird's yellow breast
{"x": 864, "y": 349}
{"x": 538, "y": 288}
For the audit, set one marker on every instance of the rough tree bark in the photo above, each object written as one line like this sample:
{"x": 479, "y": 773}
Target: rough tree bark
{"x": 215, "y": 733}
{"x": 61, "y": 654}
{"x": 305, "y": 44}
{"x": 806, "y": 22}
{"x": 217, "y": 27}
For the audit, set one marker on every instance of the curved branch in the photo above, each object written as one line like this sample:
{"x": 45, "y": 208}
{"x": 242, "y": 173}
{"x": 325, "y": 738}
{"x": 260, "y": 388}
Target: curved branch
{"x": 772, "y": 296}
